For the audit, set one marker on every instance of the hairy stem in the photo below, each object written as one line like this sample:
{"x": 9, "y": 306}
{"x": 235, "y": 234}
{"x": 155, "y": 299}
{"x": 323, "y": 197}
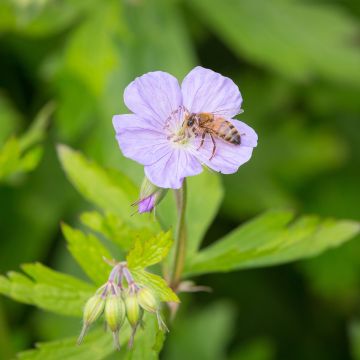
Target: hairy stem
{"x": 180, "y": 236}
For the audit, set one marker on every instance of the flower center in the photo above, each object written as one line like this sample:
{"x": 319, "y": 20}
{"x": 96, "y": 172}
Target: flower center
{"x": 176, "y": 132}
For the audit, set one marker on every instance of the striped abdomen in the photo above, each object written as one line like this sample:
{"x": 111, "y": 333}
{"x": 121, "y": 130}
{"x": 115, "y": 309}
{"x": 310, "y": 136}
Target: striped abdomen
{"x": 226, "y": 130}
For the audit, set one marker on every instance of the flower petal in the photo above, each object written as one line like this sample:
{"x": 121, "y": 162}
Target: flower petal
{"x": 139, "y": 139}
{"x": 228, "y": 157}
{"x": 155, "y": 95}
{"x": 207, "y": 91}
{"x": 170, "y": 170}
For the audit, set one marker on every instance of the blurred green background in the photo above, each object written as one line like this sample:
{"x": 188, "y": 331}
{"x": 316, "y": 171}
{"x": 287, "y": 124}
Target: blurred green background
{"x": 297, "y": 64}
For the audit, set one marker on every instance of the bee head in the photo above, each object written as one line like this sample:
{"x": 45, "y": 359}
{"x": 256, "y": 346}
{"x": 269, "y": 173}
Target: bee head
{"x": 191, "y": 120}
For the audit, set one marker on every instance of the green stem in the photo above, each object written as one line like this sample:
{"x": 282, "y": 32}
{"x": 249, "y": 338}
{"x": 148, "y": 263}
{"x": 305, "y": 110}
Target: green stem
{"x": 180, "y": 236}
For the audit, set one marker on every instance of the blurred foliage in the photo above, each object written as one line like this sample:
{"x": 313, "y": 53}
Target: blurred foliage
{"x": 297, "y": 64}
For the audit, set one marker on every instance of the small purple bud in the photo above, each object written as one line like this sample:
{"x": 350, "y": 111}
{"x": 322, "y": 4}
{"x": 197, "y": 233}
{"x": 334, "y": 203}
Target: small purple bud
{"x": 150, "y": 196}
{"x": 146, "y": 204}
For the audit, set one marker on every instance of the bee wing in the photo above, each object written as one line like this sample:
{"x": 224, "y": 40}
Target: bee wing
{"x": 222, "y": 111}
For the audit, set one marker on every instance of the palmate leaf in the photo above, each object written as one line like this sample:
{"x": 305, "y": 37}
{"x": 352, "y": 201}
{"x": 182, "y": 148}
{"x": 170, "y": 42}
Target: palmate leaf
{"x": 22, "y": 154}
{"x": 89, "y": 252}
{"x": 98, "y": 345}
{"x": 272, "y": 239}
{"x": 294, "y": 37}
{"x": 47, "y": 289}
{"x": 149, "y": 252}
{"x": 111, "y": 190}
{"x": 115, "y": 229}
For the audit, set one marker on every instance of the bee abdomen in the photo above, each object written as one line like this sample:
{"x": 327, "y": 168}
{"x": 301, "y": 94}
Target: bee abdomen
{"x": 229, "y": 133}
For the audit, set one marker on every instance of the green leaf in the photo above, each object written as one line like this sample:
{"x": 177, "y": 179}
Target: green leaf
{"x": 97, "y": 345}
{"x": 149, "y": 252}
{"x": 17, "y": 286}
{"x": 21, "y": 155}
{"x": 37, "y": 130}
{"x": 296, "y": 38}
{"x": 270, "y": 240}
{"x": 47, "y": 289}
{"x": 114, "y": 229}
{"x": 89, "y": 252}
{"x": 157, "y": 284}
{"x": 111, "y": 190}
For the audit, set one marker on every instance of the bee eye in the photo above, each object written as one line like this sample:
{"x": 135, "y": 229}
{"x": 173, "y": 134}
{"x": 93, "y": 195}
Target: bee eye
{"x": 190, "y": 122}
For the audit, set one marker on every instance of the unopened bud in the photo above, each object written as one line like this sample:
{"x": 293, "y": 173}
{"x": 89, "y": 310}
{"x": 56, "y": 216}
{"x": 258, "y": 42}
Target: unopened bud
{"x": 114, "y": 312}
{"x": 147, "y": 300}
{"x": 150, "y": 196}
{"x": 92, "y": 311}
{"x": 115, "y": 316}
{"x": 132, "y": 309}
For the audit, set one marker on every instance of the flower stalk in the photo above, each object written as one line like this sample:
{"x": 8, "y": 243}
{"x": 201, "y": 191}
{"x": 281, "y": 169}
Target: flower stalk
{"x": 180, "y": 236}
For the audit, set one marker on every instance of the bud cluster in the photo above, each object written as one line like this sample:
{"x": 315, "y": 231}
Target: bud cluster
{"x": 120, "y": 298}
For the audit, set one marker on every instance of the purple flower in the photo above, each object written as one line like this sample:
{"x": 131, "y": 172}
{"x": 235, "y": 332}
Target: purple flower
{"x": 158, "y": 134}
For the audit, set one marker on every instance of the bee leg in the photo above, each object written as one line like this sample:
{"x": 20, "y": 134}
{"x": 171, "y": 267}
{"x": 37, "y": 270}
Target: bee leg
{"x": 202, "y": 140}
{"x": 214, "y": 146}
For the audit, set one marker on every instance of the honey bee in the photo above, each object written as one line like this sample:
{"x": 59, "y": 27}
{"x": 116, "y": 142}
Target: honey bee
{"x": 202, "y": 124}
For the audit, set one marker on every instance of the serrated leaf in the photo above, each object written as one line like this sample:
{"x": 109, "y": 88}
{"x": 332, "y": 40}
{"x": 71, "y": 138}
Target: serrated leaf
{"x": 89, "y": 252}
{"x": 150, "y": 251}
{"x": 271, "y": 240}
{"x": 47, "y": 289}
{"x": 111, "y": 190}
{"x": 21, "y": 155}
{"x": 156, "y": 283}
{"x": 114, "y": 229}
{"x": 17, "y": 286}
{"x": 97, "y": 345}
{"x": 314, "y": 41}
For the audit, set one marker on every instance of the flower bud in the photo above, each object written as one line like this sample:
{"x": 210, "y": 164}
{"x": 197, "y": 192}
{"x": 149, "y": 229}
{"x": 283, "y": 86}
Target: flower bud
{"x": 150, "y": 196}
{"x": 132, "y": 309}
{"x": 114, "y": 312}
{"x": 147, "y": 300}
{"x": 92, "y": 311}
{"x": 115, "y": 316}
